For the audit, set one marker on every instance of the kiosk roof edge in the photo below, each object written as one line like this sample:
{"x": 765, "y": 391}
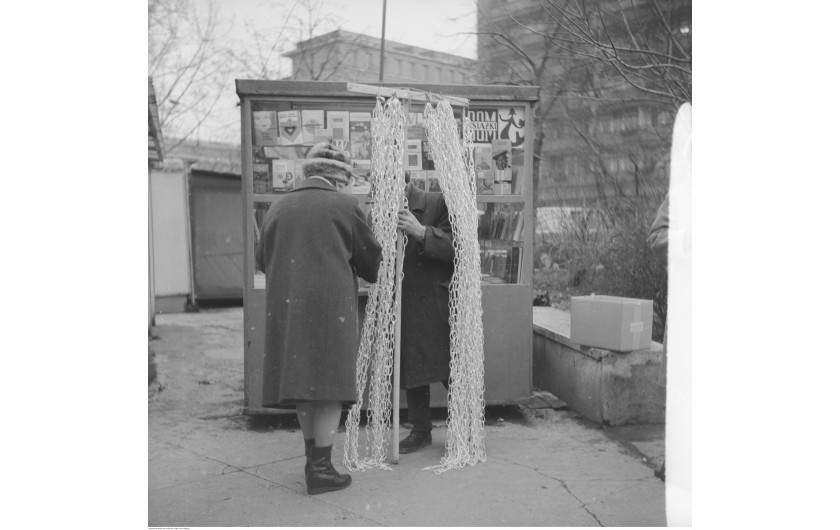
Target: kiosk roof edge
{"x": 255, "y": 87}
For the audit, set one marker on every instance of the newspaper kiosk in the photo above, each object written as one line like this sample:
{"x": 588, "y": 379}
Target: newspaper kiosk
{"x": 282, "y": 119}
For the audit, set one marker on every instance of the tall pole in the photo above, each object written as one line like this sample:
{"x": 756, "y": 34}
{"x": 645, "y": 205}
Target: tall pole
{"x": 382, "y": 44}
{"x": 395, "y": 396}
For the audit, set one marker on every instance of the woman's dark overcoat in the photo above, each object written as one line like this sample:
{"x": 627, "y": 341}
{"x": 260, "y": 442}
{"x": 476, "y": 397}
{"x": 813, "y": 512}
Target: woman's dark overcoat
{"x": 314, "y": 242}
{"x": 428, "y": 269}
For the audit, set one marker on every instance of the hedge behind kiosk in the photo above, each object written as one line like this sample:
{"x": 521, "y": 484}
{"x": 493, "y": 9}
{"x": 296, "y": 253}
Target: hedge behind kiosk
{"x": 282, "y": 119}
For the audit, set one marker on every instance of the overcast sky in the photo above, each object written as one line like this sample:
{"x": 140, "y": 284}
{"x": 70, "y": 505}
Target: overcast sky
{"x": 434, "y": 24}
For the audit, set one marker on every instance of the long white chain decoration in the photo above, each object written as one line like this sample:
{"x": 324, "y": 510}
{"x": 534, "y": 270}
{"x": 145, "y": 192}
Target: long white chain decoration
{"x": 456, "y": 168}
{"x": 376, "y": 347}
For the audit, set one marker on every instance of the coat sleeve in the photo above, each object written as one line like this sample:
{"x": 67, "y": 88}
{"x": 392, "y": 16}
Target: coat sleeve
{"x": 657, "y": 238}
{"x": 367, "y": 253}
{"x": 437, "y": 243}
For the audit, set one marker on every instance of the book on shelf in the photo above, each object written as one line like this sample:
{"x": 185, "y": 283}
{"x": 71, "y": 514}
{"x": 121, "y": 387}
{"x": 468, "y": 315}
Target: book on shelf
{"x": 515, "y": 265}
{"x": 415, "y": 129}
{"x": 311, "y": 120}
{"x": 418, "y": 178}
{"x": 427, "y": 159}
{"x": 483, "y": 185}
{"x": 265, "y": 127}
{"x": 501, "y": 221}
{"x": 361, "y": 177}
{"x": 360, "y": 140}
{"x": 516, "y": 182}
{"x": 415, "y": 119}
{"x": 433, "y": 181}
{"x": 282, "y": 174}
{"x": 517, "y": 169}
{"x": 288, "y": 122}
{"x": 501, "y": 153}
{"x": 483, "y": 160}
{"x": 321, "y": 136}
{"x": 520, "y": 226}
{"x": 413, "y": 155}
{"x": 501, "y": 265}
{"x": 502, "y": 175}
{"x": 501, "y": 188}
{"x": 262, "y": 178}
{"x": 338, "y": 123}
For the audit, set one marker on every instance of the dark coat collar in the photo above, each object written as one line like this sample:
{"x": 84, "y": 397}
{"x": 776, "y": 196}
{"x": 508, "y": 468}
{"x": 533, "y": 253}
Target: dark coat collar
{"x": 416, "y": 198}
{"x": 310, "y": 182}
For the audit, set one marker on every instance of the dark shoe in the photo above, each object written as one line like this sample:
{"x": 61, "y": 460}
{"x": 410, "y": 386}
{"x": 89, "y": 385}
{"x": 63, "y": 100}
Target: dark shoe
{"x": 415, "y": 441}
{"x": 308, "y": 443}
{"x": 322, "y": 476}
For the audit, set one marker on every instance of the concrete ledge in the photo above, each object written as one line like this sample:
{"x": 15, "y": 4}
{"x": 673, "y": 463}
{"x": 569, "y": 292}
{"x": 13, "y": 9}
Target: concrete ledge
{"x": 612, "y": 388}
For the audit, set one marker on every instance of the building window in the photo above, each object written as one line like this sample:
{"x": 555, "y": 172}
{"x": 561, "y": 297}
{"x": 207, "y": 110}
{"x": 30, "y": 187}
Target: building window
{"x": 399, "y": 67}
{"x": 412, "y": 68}
{"x": 426, "y": 72}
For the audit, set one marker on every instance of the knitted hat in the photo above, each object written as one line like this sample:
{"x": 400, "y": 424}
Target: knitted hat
{"x": 324, "y": 160}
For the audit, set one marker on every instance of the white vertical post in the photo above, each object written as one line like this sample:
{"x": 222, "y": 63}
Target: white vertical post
{"x": 395, "y": 404}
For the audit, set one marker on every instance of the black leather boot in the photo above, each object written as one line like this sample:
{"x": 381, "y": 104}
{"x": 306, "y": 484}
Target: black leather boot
{"x": 322, "y": 476}
{"x": 414, "y": 441}
{"x": 308, "y": 443}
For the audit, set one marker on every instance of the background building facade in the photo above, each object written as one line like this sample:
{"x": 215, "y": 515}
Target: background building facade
{"x": 612, "y": 75}
{"x": 346, "y": 56}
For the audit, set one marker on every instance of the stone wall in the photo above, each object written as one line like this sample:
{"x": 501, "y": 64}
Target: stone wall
{"x": 612, "y": 388}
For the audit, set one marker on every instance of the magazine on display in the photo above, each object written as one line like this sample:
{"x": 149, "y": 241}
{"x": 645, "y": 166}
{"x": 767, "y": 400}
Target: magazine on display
{"x": 501, "y": 154}
{"x": 262, "y": 179}
{"x": 418, "y": 178}
{"x": 484, "y": 183}
{"x": 282, "y": 174}
{"x": 312, "y": 120}
{"x": 428, "y": 159}
{"x": 413, "y": 155}
{"x": 321, "y": 136}
{"x": 265, "y": 127}
{"x": 338, "y": 123}
{"x": 360, "y": 147}
{"x": 483, "y": 160}
{"x": 288, "y": 122}
{"x": 432, "y": 181}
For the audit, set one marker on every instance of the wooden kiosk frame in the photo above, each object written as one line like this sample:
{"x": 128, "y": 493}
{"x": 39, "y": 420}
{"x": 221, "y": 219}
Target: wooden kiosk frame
{"x": 504, "y": 115}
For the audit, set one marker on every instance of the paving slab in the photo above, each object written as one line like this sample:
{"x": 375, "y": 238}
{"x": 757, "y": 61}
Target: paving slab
{"x": 211, "y": 466}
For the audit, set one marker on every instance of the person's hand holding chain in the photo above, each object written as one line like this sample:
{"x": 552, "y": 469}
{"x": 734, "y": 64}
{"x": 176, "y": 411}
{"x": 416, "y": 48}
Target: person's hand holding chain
{"x": 410, "y": 224}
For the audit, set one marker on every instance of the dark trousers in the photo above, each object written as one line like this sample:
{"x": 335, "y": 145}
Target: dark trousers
{"x": 418, "y": 400}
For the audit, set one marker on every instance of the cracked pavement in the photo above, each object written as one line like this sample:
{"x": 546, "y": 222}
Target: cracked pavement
{"x": 211, "y": 466}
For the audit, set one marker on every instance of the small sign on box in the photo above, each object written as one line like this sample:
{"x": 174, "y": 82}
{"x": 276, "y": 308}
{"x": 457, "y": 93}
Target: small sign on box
{"x": 611, "y": 322}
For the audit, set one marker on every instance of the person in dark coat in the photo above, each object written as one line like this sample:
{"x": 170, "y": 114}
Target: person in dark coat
{"x": 314, "y": 243}
{"x": 428, "y": 267}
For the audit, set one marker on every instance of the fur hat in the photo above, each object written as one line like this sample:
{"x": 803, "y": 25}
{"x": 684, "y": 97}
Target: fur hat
{"x": 324, "y": 160}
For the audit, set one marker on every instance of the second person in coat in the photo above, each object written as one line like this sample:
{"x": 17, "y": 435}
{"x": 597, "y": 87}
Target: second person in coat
{"x": 428, "y": 268}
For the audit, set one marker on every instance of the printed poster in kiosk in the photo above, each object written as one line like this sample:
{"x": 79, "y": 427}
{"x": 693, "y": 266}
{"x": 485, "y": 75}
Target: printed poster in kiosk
{"x": 499, "y": 123}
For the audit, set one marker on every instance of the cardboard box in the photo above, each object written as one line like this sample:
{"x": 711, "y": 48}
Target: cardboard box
{"x": 611, "y": 322}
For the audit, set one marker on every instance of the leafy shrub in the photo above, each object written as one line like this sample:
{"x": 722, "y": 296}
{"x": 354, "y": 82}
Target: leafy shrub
{"x": 606, "y": 253}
